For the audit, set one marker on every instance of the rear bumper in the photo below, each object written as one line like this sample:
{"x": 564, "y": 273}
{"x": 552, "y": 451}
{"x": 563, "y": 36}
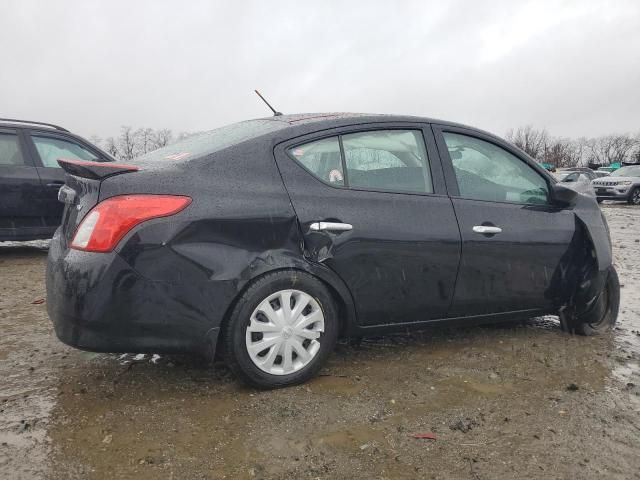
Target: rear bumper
{"x": 98, "y": 302}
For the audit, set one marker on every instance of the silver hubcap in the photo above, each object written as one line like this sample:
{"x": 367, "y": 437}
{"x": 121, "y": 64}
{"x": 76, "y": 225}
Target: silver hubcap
{"x": 284, "y": 331}
{"x": 636, "y": 197}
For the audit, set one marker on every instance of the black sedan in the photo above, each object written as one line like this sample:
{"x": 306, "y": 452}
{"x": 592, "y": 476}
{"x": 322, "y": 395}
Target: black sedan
{"x": 268, "y": 239}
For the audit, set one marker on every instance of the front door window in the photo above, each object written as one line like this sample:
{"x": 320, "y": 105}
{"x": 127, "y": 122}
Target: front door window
{"x": 485, "y": 171}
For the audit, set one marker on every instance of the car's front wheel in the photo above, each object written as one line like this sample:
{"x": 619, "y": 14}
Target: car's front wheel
{"x": 634, "y": 196}
{"x": 281, "y": 331}
{"x": 604, "y": 314}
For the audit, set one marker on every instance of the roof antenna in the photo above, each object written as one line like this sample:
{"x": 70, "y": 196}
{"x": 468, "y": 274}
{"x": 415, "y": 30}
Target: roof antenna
{"x": 275, "y": 112}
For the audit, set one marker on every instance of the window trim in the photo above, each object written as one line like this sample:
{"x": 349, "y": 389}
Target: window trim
{"x": 343, "y": 162}
{"x": 288, "y": 146}
{"x": 452, "y": 180}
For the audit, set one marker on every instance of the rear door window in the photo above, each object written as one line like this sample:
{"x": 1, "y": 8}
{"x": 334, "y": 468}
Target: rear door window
{"x": 394, "y": 160}
{"x": 51, "y": 149}
{"x": 379, "y": 160}
{"x": 322, "y": 159}
{"x": 10, "y": 153}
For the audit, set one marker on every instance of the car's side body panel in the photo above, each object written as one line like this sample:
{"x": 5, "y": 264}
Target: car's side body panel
{"x": 512, "y": 270}
{"x": 184, "y": 272}
{"x": 509, "y": 271}
{"x": 547, "y": 256}
{"x": 401, "y": 258}
{"x": 171, "y": 282}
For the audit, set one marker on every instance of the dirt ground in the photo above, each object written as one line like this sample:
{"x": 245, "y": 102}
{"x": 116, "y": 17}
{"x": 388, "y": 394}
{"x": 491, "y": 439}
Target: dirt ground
{"x": 503, "y": 402}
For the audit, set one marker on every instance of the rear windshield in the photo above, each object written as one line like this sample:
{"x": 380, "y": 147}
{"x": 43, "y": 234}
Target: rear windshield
{"x": 205, "y": 143}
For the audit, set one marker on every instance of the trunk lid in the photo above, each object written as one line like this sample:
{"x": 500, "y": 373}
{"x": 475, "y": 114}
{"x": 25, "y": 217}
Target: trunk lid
{"x": 81, "y": 190}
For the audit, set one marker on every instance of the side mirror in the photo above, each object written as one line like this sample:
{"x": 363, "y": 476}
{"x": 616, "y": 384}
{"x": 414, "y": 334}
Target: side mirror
{"x": 564, "y": 196}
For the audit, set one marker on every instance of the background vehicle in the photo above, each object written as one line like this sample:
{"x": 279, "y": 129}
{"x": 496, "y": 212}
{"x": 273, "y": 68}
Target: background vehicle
{"x": 623, "y": 184}
{"x": 611, "y": 168}
{"x": 30, "y": 176}
{"x": 273, "y": 237}
{"x": 577, "y": 179}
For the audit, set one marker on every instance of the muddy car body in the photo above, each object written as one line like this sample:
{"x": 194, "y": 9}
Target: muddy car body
{"x": 288, "y": 232}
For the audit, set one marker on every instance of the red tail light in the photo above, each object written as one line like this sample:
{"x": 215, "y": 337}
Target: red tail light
{"x": 110, "y": 220}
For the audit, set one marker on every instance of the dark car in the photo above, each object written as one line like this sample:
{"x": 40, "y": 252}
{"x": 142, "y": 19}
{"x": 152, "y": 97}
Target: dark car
{"x": 268, "y": 239}
{"x": 30, "y": 176}
{"x": 623, "y": 184}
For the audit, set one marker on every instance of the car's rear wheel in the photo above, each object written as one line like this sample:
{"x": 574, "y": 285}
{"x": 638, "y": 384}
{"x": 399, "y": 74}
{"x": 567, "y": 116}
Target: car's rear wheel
{"x": 604, "y": 314}
{"x": 634, "y": 196}
{"x": 281, "y": 331}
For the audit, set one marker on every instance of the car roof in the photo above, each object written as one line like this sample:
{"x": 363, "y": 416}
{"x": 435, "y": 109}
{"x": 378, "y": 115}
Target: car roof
{"x": 305, "y": 123}
{"x": 277, "y": 129}
{"x": 15, "y": 123}
{"x": 337, "y": 119}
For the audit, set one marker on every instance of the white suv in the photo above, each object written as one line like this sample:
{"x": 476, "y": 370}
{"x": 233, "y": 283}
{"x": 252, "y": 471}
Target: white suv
{"x": 623, "y": 184}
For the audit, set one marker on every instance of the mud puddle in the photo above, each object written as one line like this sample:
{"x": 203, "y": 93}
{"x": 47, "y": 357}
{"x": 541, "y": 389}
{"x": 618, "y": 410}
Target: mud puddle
{"x": 525, "y": 401}
{"x": 625, "y": 222}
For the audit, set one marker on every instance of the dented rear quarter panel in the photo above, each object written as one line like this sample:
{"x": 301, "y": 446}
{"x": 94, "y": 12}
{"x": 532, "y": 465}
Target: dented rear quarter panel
{"x": 239, "y": 226}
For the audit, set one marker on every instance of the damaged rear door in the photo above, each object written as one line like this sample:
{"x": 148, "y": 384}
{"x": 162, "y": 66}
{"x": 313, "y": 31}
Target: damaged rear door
{"x": 516, "y": 244}
{"x": 372, "y": 207}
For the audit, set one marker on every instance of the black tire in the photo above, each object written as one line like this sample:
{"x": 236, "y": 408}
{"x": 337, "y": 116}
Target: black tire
{"x": 235, "y": 348}
{"x": 634, "y": 196}
{"x": 603, "y": 316}
{"x": 599, "y": 200}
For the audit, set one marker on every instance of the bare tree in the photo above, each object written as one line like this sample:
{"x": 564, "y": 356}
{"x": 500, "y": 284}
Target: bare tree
{"x": 611, "y": 148}
{"x": 163, "y": 137}
{"x": 530, "y": 140}
{"x": 562, "y": 152}
{"x": 145, "y": 139}
{"x": 111, "y": 147}
{"x": 131, "y": 143}
{"x": 580, "y": 146}
{"x": 127, "y": 143}
{"x": 635, "y": 156}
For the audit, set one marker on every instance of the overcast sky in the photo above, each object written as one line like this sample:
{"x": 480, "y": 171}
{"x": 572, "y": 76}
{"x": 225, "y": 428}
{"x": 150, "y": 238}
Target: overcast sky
{"x": 572, "y": 67}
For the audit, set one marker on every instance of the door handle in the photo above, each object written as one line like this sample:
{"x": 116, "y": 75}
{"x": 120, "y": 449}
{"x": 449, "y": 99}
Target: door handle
{"x": 334, "y": 226}
{"x": 485, "y": 229}
{"x": 55, "y": 184}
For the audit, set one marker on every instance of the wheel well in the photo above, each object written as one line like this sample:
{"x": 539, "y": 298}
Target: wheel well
{"x": 585, "y": 281}
{"x": 343, "y": 312}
